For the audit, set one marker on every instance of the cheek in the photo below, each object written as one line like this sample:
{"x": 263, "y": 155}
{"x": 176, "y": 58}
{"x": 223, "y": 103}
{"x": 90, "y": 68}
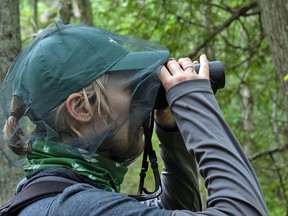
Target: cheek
{"x": 123, "y": 134}
{"x": 120, "y": 104}
{"x": 128, "y": 141}
{"x": 119, "y": 99}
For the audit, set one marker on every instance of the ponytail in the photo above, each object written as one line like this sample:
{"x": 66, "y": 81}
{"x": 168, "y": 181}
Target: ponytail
{"x": 13, "y": 134}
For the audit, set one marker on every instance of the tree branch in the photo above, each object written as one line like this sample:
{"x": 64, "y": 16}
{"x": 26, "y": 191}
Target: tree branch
{"x": 269, "y": 152}
{"x": 241, "y": 12}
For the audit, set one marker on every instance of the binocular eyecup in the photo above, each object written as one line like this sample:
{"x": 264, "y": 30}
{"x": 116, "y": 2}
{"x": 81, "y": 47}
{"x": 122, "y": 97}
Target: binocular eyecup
{"x": 217, "y": 80}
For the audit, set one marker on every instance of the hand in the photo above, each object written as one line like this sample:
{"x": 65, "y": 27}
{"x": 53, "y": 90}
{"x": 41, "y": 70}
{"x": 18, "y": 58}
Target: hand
{"x": 165, "y": 119}
{"x": 176, "y": 72}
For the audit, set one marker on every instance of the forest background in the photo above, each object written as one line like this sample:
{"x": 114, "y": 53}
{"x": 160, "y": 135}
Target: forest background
{"x": 249, "y": 37}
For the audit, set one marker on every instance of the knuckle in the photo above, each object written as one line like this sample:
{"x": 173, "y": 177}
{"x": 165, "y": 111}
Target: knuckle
{"x": 184, "y": 60}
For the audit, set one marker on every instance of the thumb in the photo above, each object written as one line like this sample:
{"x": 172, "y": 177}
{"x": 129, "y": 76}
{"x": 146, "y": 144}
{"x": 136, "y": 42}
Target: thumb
{"x": 204, "y": 67}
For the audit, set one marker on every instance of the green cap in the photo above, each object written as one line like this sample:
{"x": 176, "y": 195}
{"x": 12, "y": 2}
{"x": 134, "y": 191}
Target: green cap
{"x": 64, "y": 59}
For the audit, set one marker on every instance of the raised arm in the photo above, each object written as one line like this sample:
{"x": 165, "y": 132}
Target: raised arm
{"x": 232, "y": 185}
{"x": 180, "y": 174}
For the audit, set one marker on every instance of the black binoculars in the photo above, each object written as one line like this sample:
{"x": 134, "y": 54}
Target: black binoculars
{"x": 217, "y": 80}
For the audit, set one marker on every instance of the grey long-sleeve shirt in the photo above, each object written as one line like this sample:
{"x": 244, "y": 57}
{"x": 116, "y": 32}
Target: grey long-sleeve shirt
{"x": 232, "y": 185}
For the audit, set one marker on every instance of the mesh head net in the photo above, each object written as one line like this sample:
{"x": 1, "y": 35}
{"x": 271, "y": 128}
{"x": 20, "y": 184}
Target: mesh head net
{"x": 81, "y": 86}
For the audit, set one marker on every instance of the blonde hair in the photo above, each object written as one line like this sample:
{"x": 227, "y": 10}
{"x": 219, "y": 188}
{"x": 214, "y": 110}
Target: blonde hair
{"x": 95, "y": 101}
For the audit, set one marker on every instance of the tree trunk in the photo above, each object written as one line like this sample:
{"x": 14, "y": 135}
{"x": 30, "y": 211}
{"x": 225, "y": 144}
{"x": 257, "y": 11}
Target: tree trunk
{"x": 35, "y": 15}
{"x": 85, "y": 12}
{"x": 247, "y": 102}
{"x": 275, "y": 23}
{"x": 10, "y": 45}
{"x": 66, "y": 11}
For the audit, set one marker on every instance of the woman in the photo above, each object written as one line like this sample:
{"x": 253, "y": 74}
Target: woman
{"x": 79, "y": 98}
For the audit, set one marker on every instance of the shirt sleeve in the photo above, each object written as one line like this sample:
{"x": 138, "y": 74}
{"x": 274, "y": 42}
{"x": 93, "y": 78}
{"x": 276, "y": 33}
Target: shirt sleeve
{"x": 180, "y": 188}
{"x": 232, "y": 185}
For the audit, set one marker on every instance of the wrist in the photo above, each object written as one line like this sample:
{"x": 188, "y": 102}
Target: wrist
{"x": 165, "y": 119}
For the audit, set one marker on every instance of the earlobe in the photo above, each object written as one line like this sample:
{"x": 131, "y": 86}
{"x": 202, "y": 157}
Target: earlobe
{"x": 76, "y": 107}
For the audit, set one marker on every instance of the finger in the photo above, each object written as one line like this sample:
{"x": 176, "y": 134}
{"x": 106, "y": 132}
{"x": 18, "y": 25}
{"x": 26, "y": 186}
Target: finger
{"x": 189, "y": 68}
{"x": 173, "y": 67}
{"x": 164, "y": 76}
{"x": 164, "y": 73}
{"x": 204, "y": 67}
{"x": 187, "y": 65}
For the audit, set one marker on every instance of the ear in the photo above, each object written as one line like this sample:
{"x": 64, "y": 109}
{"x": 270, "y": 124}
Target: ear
{"x": 77, "y": 109}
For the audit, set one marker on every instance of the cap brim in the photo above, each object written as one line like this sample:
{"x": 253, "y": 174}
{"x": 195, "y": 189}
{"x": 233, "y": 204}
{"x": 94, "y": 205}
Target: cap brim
{"x": 141, "y": 60}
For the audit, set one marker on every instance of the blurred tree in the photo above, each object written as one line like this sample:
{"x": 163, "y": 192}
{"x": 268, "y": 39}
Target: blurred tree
{"x": 35, "y": 15}
{"x": 10, "y": 46}
{"x": 85, "y": 12}
{"x": 275, "y": 24}
{"x": 66, "y": 11}
{"x": 10, "y": 43}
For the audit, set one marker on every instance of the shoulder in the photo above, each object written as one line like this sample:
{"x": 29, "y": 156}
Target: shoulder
{"x": 84, "y": 199}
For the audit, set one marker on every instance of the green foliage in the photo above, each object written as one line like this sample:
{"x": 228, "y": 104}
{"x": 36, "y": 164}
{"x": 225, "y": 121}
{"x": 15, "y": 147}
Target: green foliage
{"x": 183, "y": 26}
